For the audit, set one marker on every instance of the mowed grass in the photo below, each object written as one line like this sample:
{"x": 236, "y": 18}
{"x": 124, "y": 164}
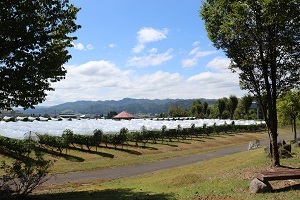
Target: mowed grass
{"x": 77, "y": 159}
{"x": 219, "y": 178}
{"x": 82, "y": 160}
{"x": 226, "y": 177}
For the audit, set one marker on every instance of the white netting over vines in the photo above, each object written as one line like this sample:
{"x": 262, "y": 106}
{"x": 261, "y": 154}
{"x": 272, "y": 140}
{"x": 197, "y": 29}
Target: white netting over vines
{"x": 86, "y": 126}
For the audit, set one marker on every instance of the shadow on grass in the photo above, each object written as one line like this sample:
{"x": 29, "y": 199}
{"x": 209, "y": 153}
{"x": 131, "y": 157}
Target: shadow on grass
{"x": 288, "y": 188}
{"x": 143, "y": 146}
{"x": 232, "y": 134}
{"x": 198, "y": 140}
{"x": 288, "y": 167}
{"x": 103, "y": 154}
{"x": 183, "y": 142}
{"x": 148, "y": 147}
{"x": 11, "y": 154}
{"x": 220, "y": 136}
{"x": 63, "y": 155}
{"x": 109, "y": 194}
{"x": 209, "y": 138}
{"x": 130, "y": 151}
{"x": 171, "y": 145}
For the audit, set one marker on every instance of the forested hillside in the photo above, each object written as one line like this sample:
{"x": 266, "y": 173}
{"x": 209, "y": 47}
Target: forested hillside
{"x": 134, "y": 106}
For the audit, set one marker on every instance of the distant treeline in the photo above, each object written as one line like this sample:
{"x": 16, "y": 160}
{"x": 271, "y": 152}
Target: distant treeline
{"x": 223, "y": 108}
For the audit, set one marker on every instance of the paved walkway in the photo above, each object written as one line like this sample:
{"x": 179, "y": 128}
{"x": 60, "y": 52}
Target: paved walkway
{"x": 133, "y": 170}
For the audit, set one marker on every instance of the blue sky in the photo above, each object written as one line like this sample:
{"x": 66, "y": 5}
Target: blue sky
{"x": 154, "y": 49}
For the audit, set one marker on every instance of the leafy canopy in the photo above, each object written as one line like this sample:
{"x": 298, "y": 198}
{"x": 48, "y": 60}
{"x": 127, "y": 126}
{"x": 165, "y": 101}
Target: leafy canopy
{"x": 262, "y": 40}
{"x": 260, "y": 37}
{"x": 289, "y": 107}
{"x": 34, "y": 40}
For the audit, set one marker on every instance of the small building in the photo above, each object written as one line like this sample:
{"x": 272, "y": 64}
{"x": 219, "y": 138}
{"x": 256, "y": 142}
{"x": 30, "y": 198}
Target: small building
{"x": 69, "y": 116}
{"x": 124, "y": 115}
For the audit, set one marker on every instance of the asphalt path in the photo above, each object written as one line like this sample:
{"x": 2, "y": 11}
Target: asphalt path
{"x": 149, "y": 167}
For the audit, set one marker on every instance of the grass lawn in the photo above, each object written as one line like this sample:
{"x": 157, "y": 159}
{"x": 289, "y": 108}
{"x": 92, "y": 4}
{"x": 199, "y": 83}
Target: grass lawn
{"x": 219, "y": 178}
{"x": 82, "y": 160}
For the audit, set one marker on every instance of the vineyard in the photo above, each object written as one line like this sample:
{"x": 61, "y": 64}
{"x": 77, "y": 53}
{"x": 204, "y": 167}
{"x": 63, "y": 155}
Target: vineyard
{"x": 19, "y": 148}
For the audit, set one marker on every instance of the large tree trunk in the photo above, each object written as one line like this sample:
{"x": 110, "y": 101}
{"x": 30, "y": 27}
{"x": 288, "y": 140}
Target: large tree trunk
{"x": 274, "y": 149}
{"x": 270, "y": 116}
{"x": 273, "y": 123}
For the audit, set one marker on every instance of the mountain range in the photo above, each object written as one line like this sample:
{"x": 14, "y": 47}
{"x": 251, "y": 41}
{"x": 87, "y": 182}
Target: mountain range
{"x": 133, "y": 106}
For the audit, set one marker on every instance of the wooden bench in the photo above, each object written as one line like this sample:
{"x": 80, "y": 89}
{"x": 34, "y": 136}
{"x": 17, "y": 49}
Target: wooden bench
{"x": 282, "y": 174}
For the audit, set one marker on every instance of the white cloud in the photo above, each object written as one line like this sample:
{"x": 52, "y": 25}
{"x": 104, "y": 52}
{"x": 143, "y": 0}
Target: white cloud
{"x": 196, "y": 53}
{"x": 103, "y": 80}
{"x": 189, "y": 62}
{"x": 149, "y": 34}
{"x": 220, "y": 83}
{"x": 138, "y": 48}
{"x": 89, "y": 47}
{"x": 79, "y": 46}
{"x": 217, "y": 85}
{"x": 196, "y": 43}
{"x": 219, "y": 64}
{"x": 111, "y": 46}
{"x": 146, "y": 35}
{"x": 152, "y": 59}
{"x": 153, "y": 50}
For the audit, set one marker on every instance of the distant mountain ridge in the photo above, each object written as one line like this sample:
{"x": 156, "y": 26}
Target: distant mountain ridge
{"x": 133, "y": 106}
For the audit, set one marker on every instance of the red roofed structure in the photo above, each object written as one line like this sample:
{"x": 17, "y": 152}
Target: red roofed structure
{"x": 124, "y": 115}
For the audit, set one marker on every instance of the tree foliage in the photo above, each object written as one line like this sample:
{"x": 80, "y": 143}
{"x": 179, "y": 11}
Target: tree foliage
{"x": 205, "y": 109}
{"x": 197, "y": 109}
{"x": 111, "y": 114}
{"x": 177, "y": 111}
{"x": 34, "y": 41}
{"x": 245, "y": 104}
{"x": 22, "y": 177}
{"x": 262, "y": 40}
{"x": 232, "y": 105}
{"x": 97, "y": 137}
{"x": 289, "y": 109}
{"x": 221, "y": 106}
{"x": 68, "y": 138}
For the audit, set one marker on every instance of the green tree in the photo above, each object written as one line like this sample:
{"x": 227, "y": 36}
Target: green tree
{"x": 164, "y": 129}
{"x": 144, "y": 134}
{"x": 97, "y": 137}
{"x": 22, "y": 177}
{"x": 177, "y": 111}
{"x": 208, "y": 112}
{"x": 122, "y": 137}
{"x": 68, "y": 137}
{"x": 221, "y": 107}
{"x": 262, "y": 40}
{"x": 205, "y": 109}
{"x": 197, "y": 109}
{"x": 289, "y": 109}
{"x": 232, "y": 105}
{"x": 34, "y": 41}
{"x": 111, "y": 114}
{"x": 245, "y": 104}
